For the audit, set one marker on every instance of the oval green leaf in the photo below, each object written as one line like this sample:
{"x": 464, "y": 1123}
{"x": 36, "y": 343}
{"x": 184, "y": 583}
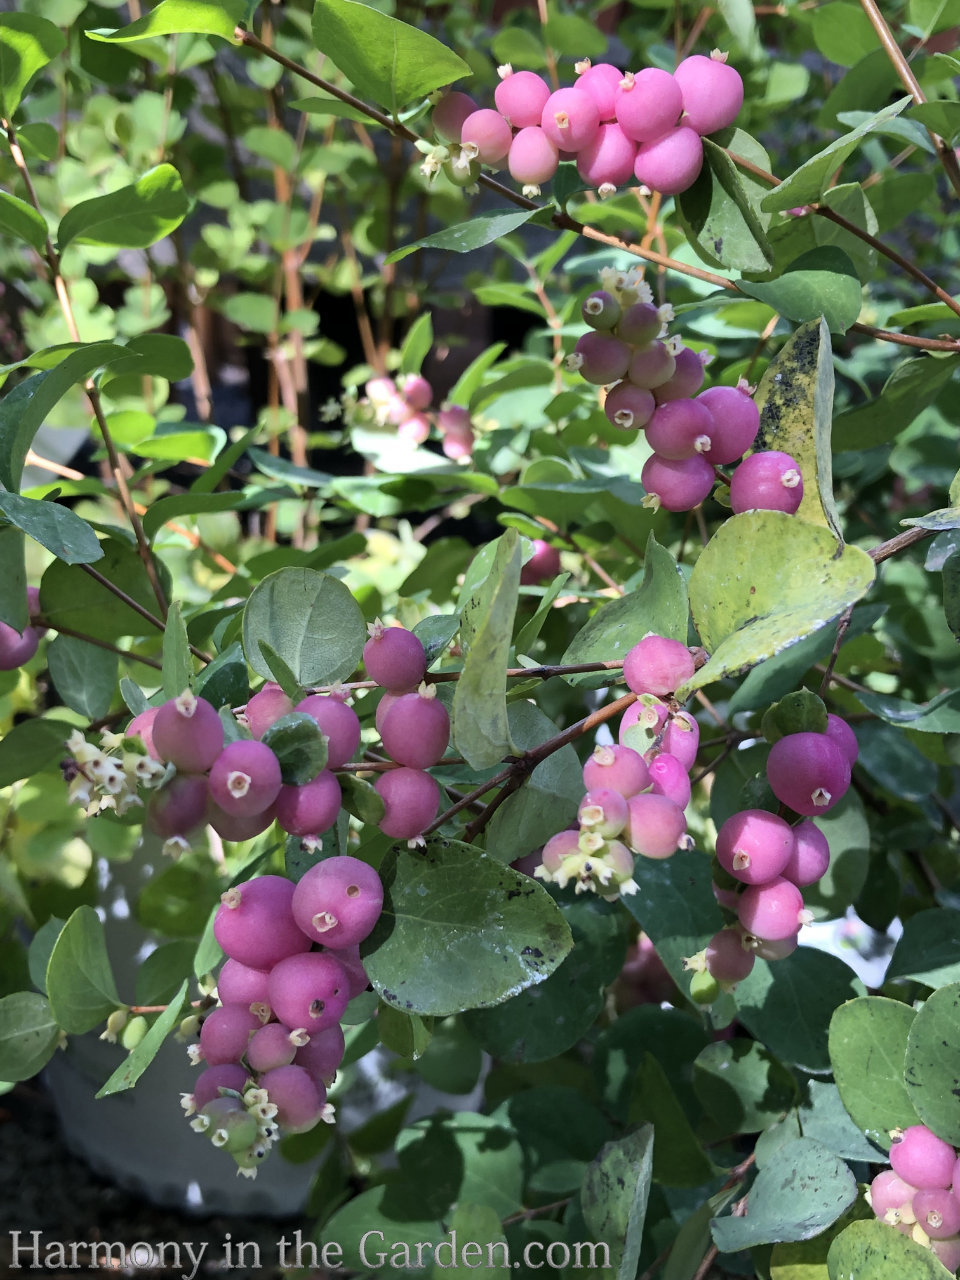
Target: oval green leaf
{"x": 179, "y": 17}
{"x": 932, "y": 1063}
{"x": 868, "y": 1046}
{"x": 132, "y": 217}
{"x": 310, "y": 620}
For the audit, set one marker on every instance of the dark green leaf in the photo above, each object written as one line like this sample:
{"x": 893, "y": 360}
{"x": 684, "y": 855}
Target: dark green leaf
{"x": 80, "y": 981}
{"x": 822, "y": 282}
{"x": 911, "y": 388}
{"x": 57, "y": 528}
{"x": 416, "y": 344}
{"x": 20, "y": 219}
{"x": 941, "y": 117}
{"x": 675, "y": 905}
{"x": 300, "y": 746}
{"x": 30, "y": 746}
{"x": 929, "y": 949}
{"x": 177, "y": 662}
{"x": 871, "y": 1250}
{"x": 85, "y": 675}
{"x": 70, "y": 597}
{"x": 614, "y": 1197}
{"x": 868, "y": 1045}
{"x": 28, "y": 1035}
{"x": 742, "y": 1086}
{"x": 932, "y": 1063}
{"x": 361, "y": 799}
{"x": 132, "y": 217}
{"x": 723, "y": 227}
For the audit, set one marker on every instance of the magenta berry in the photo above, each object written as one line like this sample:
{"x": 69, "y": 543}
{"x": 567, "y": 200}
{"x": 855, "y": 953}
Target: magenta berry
{"x": 310, "y": 809}
{"x": 349, "y": 957}
{"x": 266, "y": 706}
{"x": 686, "y": 381}
{"x": 245, "y": 778}
{"x": 648, "y": 104}
{"x": 923, "y": 1159}
{"x": 681, "y": 738}
{"x": 296, "y": 1095}
{"x": 520, "y": 97}
{"x": 937, "y": 1210}
{"x": 338, "y": 722}
{"x": 449, "y": 115}
{"x": 142, "y": 726}
{"x": 657, "y": 664}
{"x": 208, "y": 1083}
{"x": 417, "y": 391}
{"x": 641, "y": 724}
{"x": 271, "y": 1046}
{"x": 600, "y": 358}
{"x": 771, "y": 911}
{"x": 414, "y": 429}
{"x": 601, "y": 310}
{"x": 728, "y": 960}
{"x": 670, "y": 164}
{"x": 617, "y": 768}
{"x": 628, "y": 406}
{"x": 677, "y": 484}
{"x": 239, "y": 984}
{"x": 570, "y": 119}
{"x": 755, "y": 846}
{"x": 680, "y": 429}
{"x": 238, "y": 826}
{"x": 669, "y": 777}
{"x": 486, "y": 135}
{"x": 736, "y": 421}
{"x": 322, "y": 1054}
{"x": 651, "y": 365}
{"x": 188, "y": 732}
{"x": 603, "y": 810}
{"x": 889, "y": 1194}
{"x": 601, "y": 83}
{"x": 17, "y": 648}
{"x": 411, "y": 798}
{"x": 839, "y": 731}
{"x": 808, "y": 772}
{"x": 712, "y": 93}
{"x": 416, "y": 729}
{"x": 254, "y": 923}
{"x": 179, "y": 807}
{"x": 543, "y": 565}
{"x": 810, "y": 857}
{"x": 533, "y": 157}
{"x": 767, "y": 481}
{"x": 641, "y": 324}
{"x": 948, "y": 1251}
{"x": 394, "y": 657}
{"x": 338, "y": 901}
{"x": 655, "y": 825}
{"x": 226, "y": 1032}
{"x": 308, "y": 991}
{"x": 607, "y": 161}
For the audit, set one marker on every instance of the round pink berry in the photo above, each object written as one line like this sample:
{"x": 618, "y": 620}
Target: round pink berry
{"x": 754, "y": 846}
{"x": 923, "y": 1159}
{"x": 678, "y": 484}
{"x": 651, "y": 365}
{"x": 658, "y": 665}
{"x": 449, "y": 115}
{"x": 310, "y": 809}
{"x": 254, "y": 923}
{"x": 889, "y": 1194}
{"x": 411, "y": 798}
{"x": 226, "y": 1032}
{"x": 619, "y": 768}
{"x": 521, "y": 97}
{"x": 603, "y": 810}
{"x": 640, "y": 324}
{"x": 322, "y": 1054}
{"x": 766, "y": 481}
{"x": 937, "y": 1210}
{"x": 533, "y": 158}
{"x": 570, "y": 119}
{"x": 671, "y": 163}
{"x": 245, "y": 778}
{"x": 681, "y": 738}
{"x": 601, "y": 82}
{"x": 808, "y": 772}
{"x": 394, "y": 657}
{"x": 238, "y": 826}
{"x": 712, "y": 93}
{"x": 208, "y": 1083}
{"x": 271, "y": 1046}
{"x": 810, "y": 857}
{"x": 416, "y": 729}
{"x": 308, "y": 991}
{"x": 601, "y": 358}
{"x": 840, "y": 732}
{"x": 655, "y": 825}
{"x": 736, "y": 421}
{"x": 266, "y": 706}
{"x": 669, "y": 777}
{"x": 628, "y": 406}
{"x": 338, "y": 901}
{"x": 728, "y": 960}
{"x": 601, "y": 310}
{"x": 142, "y": 726}
{"x": 489, "y": 133}
{"x": 685, "y": 382}
{"x": 188, "y": 732}
{"x": 417, "y": 391}
{"x": 771, "y": 911}
{"x": 648, "y": 104}
{"x": 608, "y": 160}
{"x": 296, "y": 1095}
{"x": 680, "y": 429}
{"x": 337, "y": 722}
{"x": 177, "y": 808}
{"x": 239, "y": 984}
{"x": 543, "y": 565}
{"x": 16, "y": 648}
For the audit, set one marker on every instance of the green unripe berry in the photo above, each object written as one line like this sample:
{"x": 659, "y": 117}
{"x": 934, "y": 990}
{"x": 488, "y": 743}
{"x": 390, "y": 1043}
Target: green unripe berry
{"x": 704, "y": 988}
{"x": 756, "y": 793}
{"x": 799, "y": 712}
{"x": 133, "y": 1032}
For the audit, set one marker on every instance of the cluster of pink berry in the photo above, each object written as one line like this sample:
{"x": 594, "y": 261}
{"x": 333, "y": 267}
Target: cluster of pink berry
{"x": 637, "y": 790}
{"x": 405, "y": 407}
{"x": 769, "y": 860}
{"x": 656, "y": 380}
{"x": 17, "y": 647}
{"x": 645, "y": 125}
{"x": 273, "y": 1045}
{"x": 920, "y": 1193}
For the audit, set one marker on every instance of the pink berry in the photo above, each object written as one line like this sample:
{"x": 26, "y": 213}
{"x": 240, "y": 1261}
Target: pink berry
{"x": 414, "y": 429}
{"x": 657, "y": 664}
{"x": 386, "y": 702}
{"x": 712, "y": 93}
{"x": 889, "y": 1194}
{"x": 489, "y": 133}
{"x": 640, "y": 324}
{"x": 685, "y": 382}
{"x": 923, "y": 1159}
{"x": 179, "y": 807}
{"x": 655, "y": 825}
{"x": 349, "y": 957}
{"x": 454, "y": 417}
{"x": 562, "y": 845}
{"x": 766, "y": 949}
{"x": 601, "y": 358}
{"x": 265, "y": 708}
{"x": 736, "y": 421}
{"x": 766, "y": 481}
{"x": 239, "y": 984}
{"x": 648, "y": 104}
{"x": 618, "y": 768}
{"x": 188, "y": 732}
{"x": 607, "y": 162}
{"x": 381, "y": 391}
{"x": 142, "y": 726}
{"x": 948, "y": 1251}
{"x": 642, "y": 722}
{"x": 312, "y": 808}
{"x": 521, "y": 97}
{"x": 411, "y": 798}
{"x": 628, "y": 406}
{"x": 755, "y": 846}
{"x": 308, "y": 991}
{"x": 601, "y": 83}
{"x": 322, "y": 1054}
{"x": 670, "y": 164}
{"x": 17, "y": 648}
{"x": 457, "y": 443}
{"x": 651, "y": 365}
{"x": 239, "y": 826}
{"x": 728, "y": 960}
{"x": 225, "y": 1033}
{"x": 771, "y": 911}
{"x": 416, "y": 729}
{"x": 394, "y": 657}
{"x": 670, "y": 778}
{"x": 298, "y": 1098}
{"x": 338, "y": 901}
{"x": 680, "y": 484}
{"x": 417, "y": 391}
{"x": 449, "y": 115}
{"x": 840, "y": 732}
{"x": 209, "y": 1082}
{"x": 681, "y": 738}
{"x": 680, "y": 429}
{"x": 533, "y": 158}
{"x": 810, "y": 857}
{"x": 543, "y": 565}
{"x": 603, "y": 810}
{"x": 271, "y": 1047}
{"x": 338, "y": 722}
{"x": 808, "y": 772}
{"x": 394, "y": 409}
{"x": 245, "y": 778}
{"x": 570, "y": 119}
{"x": 937, "y": 1211}
{"x": 601, "y": 310}
{"x": 254, "y": 923}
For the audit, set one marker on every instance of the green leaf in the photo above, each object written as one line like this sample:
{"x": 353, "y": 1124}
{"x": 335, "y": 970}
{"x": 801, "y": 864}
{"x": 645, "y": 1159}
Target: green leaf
{"x": 416, "y": 344}
{"x": 327, "y": 106}
{"x": 742, "y": 1086}
{"x": 723, "y": 227}
{"x": 85, "y": 675}
{"x": 807, "y": 184}
{"x": 28, "y": 1035}
{"x": 14, "y": 608}
{"x": 676, "y": 907}
{"x": 187, "y": 504}
{"x": 821, "y": 282}
{"x": 179, "y": 17}
{"x": 659, "y": 604}
{"x": 763, "y": 581}
{"x": 795, "y": 399}
{"x": 912, "y": 387}
{"x": 464, "y": 237}
{"x": 797, "y": 1194}
{"x": 824, "y": 1118}
{"x": 385, "y": 59}
{"x": 57, "y": 528}
{"x": 674, "y": 1038}
{"x": 70, "y": 597}
{"x": 678, "y": 1156}
{"x": 80, "y": 981}
{"x": 843, "y": 33}
{"x": 406, "y": 1034}
{"x": 788, "y": 1005}
{"x": 177, "y": 662}
{"x": 929, "y": 949}
{"x": 693, "y": 1239}
{"x": 132, "y": 217}
{"x": 361, "y": 799}
{"x": 17, "y": 218}
{"x": 872, "y": 1250}
{"x": 27, "y": 43}
{"x": 281, "y": 673}
{"x": 30, "y": 746}
{"x": 460, "y": 931}
{"x": 310, "y": 620}
{"x": 932, "y": 1064}
{"x": 300, "y": 746}
{"x": 481, "y": 731}
{"x": 940, "y": 116}
{"x": 868, "y": 1045}
{"x": 614, "y": 1197}
{"x": 479, "y": 1240}
{"x": 160, "y": 355}
{"x": 137, "y": 1061}
{"x": 546, "y": 1020}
